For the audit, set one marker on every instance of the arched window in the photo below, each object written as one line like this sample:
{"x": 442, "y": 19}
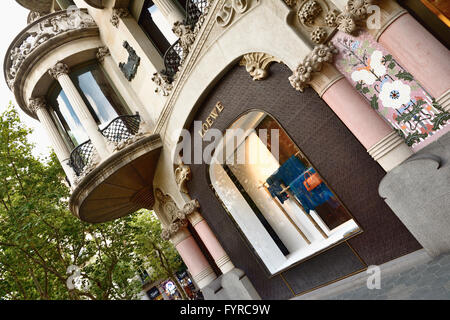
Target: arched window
{"x": 276, "y": 197}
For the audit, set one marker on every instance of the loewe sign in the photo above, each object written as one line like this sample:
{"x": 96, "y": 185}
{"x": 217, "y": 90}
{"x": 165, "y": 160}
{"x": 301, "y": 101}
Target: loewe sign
{"x": 218, "y": 108}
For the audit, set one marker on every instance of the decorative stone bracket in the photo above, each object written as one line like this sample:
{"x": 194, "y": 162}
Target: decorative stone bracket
{"x": 257, "y": 64}
{"x": 177, "y": 217}
{"x": 312, "y": 63}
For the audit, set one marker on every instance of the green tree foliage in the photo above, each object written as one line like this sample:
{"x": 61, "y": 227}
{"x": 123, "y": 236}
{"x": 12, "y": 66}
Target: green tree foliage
{"x": 159, "y": 256}
{"x": 40, "y": 239}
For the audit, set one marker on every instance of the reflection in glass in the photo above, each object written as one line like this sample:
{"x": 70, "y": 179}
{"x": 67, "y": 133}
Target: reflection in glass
{"x": 275, "y": 194}
{"x": 98, "y": 94}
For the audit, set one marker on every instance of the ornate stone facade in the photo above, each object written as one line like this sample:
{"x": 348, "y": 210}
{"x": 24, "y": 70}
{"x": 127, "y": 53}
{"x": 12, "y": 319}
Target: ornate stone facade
{"x": 40, "y": 33}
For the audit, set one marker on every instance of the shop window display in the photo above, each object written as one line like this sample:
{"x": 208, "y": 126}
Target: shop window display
{"x": 278, "y": 200}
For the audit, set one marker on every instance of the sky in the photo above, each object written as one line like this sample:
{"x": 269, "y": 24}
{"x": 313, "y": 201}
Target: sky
{"x": 13, "y": 19}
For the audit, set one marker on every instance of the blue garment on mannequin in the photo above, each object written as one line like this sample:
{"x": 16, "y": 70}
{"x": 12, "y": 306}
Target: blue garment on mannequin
{"x": 285, "y": 174}
{"x": 275, "y": 188}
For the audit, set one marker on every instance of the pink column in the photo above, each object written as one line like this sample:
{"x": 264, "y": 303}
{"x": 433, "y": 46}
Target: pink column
{"x": 214, "y": 247}
{"x": 354, "y": 111}
{"x": 382, "y": 142}
{"x": 196, "y": 262}
{"x": 419, "y": 53}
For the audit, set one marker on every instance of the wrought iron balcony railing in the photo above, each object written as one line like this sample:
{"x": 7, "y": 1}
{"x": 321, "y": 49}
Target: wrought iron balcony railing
{"x": 174, "y": 55}
{"x": 194, "y": 10}
{"x": 81, "y": 156}
{"x": 172, "y": 60}
{"x": 120, "y": 129}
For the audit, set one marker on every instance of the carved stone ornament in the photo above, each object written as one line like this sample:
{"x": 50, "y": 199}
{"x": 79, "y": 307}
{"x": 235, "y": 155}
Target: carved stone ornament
{"x": 230, "y": 9}
{"x": 312, "y": 63}
{"x": 162, "y": 84}
{"x": 257, "y": 64}
{"x": 117, "y": 14}
{"x": 40, "y": 33}
{"x": 312, "y": 15}
{"x": 177, "y": 217}
{"x": 102, "y": 52}
{"x": 182, "y": 175}
{"x": 37, "y": 103}
{"x": 353, "y": 16}
{"x": 309, "y": 11}
{"x": 129, "y": 69}
{"x": 59, "y": 69}
{"x": 186, "y": 36}
{"x": 291, "y": 3}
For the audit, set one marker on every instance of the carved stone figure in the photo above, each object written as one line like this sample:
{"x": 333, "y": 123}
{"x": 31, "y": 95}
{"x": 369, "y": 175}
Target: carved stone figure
{"x": 182, "y": 175}
{"x": 257, "y": 64}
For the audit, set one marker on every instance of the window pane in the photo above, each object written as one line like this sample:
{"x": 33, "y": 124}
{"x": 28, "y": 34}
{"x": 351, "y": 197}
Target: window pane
{"x": 162, "y": 24}
{"x": 66, "y": 119}
{"x": 98, "y": 94}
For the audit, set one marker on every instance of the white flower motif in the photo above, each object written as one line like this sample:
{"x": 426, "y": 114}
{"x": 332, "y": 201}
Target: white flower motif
{"x": 375, "y": 64}
{"x": 363, "y": 75}
{"x": 395, "y": 94}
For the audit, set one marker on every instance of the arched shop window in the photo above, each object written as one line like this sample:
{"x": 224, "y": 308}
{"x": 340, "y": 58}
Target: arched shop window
{"x": 157, "y": 28}
{"x": 100, "y": 96}
{"x": 276, "y": 197}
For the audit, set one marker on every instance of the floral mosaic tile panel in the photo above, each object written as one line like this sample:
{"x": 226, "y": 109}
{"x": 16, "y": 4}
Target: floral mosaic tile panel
{"x": 390, "y": 89}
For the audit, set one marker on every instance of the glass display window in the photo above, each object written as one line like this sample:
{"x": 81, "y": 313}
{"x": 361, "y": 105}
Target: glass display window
{"x": 276, "y": 197}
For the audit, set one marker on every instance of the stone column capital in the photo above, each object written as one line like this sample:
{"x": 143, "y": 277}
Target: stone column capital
{"x": 102, "y": 52}
{"x": 58, "y": 70}
{"x": 37, "y": 103}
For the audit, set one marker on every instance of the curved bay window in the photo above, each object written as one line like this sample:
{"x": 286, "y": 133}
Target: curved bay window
{"x": 278, "y": 200}
{"x": 99, "y": 95}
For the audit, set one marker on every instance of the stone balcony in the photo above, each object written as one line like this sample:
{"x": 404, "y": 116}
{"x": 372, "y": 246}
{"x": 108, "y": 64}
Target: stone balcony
{"x": 37, "y": 40}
